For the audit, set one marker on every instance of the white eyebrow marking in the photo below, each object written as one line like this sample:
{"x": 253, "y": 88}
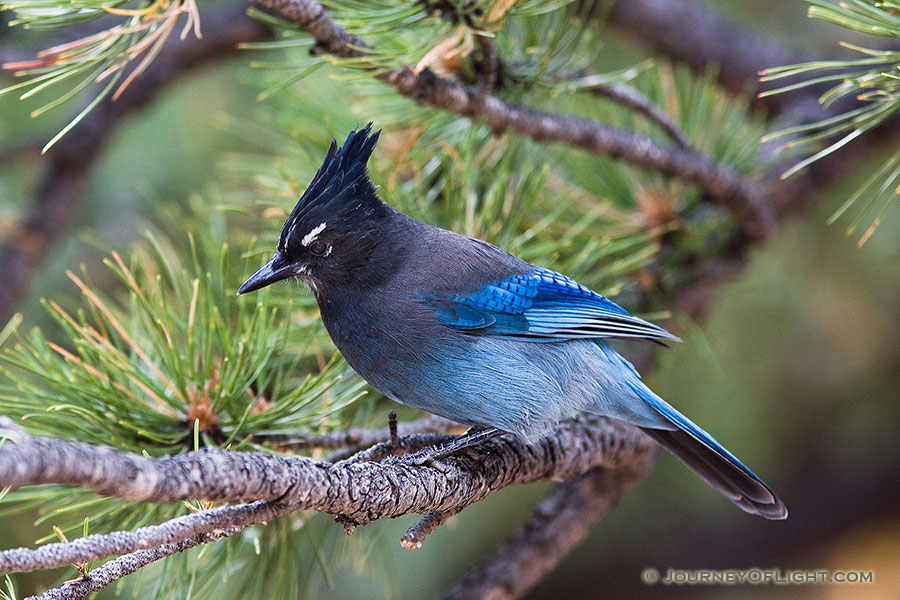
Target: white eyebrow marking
{"x": 310, "y": 237}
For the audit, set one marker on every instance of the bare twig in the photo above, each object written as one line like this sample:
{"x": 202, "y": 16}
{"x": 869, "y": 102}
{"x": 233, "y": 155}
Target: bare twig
{"x": 416, "y": 534}
{"x": 487, "y": 74}
{"x": 363, "y": 438}
{"x": 639, "y": 103}
{"x": 359, "y": 492}
{"x": 720, "y": 182}
{"x": 393, "y": 434}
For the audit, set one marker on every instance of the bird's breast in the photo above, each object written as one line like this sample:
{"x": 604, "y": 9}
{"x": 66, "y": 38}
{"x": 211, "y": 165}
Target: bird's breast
{"x": 385, "y": 340}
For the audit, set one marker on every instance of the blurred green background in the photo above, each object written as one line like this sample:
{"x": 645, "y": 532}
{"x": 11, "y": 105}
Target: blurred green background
{"x": 796, "y": 370}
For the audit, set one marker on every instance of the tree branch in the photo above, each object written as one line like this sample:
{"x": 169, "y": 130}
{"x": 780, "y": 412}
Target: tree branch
{"x": 103, "y": 576}
{"x": 362, "y": 438}
{"x": 229, "y": 519}
{"x": 631, "y": 98}
{"x": 416, "y": 534}
{"x": 487, "y": 74}
{"x": 721, "y": 182}
{"x": 560, "y": 523}
{"x": 691, "y": 33}
{"x": 358, "y": 492}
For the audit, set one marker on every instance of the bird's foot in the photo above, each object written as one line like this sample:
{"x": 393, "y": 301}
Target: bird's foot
{"x": 425, "y": 456}
{"x": 436, "y": 453}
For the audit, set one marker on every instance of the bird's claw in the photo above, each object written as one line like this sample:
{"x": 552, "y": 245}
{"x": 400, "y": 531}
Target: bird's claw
{"x": 422, "y": 458}
{"x": 426, "y": 457}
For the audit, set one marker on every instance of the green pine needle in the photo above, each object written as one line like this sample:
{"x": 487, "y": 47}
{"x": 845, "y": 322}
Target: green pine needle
{"x": 875, "y": 84}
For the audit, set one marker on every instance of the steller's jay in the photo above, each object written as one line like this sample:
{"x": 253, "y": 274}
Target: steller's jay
{"x": 459, "y": 328}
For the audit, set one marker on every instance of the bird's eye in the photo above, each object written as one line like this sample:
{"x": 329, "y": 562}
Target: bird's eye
{"x": 318, "y": 248}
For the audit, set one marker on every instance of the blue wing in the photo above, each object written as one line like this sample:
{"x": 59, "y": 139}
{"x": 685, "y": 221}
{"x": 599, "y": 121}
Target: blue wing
{"x": 544, "y": 305}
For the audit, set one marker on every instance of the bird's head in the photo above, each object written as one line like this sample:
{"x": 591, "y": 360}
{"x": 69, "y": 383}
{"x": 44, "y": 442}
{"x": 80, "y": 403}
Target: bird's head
{"x": 336, "y": 224}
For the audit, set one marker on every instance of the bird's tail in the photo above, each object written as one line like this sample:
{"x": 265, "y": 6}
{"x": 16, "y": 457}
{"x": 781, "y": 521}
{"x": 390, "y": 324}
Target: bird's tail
{"x": 711, "y": 461}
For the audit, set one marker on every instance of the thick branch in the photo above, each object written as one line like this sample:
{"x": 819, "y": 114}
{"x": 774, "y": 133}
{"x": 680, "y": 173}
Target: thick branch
{"x": 720, "y": 181}
{"x": 360, "y": 492}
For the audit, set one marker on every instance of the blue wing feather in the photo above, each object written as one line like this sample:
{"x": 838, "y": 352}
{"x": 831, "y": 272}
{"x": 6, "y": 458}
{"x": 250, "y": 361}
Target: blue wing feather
{"x": 544, "y": 305}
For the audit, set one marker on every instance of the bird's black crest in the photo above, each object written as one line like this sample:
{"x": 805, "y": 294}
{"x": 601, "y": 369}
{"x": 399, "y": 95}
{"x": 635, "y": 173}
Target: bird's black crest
{"x": 340, "y": 186}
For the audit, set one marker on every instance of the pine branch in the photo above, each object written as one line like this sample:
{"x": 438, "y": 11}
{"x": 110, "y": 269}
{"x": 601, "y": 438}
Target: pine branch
{"x": 721, "y": 182}
{"x": 357, "y": 492}
{"x": 228, "y": 519}
{"x": 112, "y": 571}
{"x": 70, "y": 160}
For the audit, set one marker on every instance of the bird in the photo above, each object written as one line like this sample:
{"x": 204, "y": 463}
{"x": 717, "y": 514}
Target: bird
{"x": 459, "y": 328}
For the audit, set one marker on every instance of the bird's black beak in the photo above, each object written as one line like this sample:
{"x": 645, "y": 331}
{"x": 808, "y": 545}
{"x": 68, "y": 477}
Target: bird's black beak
{"x": 276, "y": 269}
